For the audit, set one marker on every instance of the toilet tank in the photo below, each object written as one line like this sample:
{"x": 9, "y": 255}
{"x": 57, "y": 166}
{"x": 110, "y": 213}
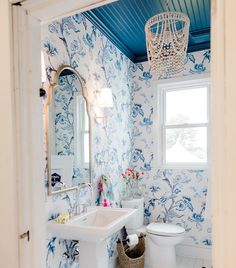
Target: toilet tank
{"x": 137, "y": 220}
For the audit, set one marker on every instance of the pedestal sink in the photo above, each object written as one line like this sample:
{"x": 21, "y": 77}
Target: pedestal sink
{"x": 92, "y": 229}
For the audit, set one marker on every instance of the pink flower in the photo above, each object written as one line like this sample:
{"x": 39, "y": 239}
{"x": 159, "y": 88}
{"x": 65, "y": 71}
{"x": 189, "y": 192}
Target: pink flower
{"x": 105, "y": 203}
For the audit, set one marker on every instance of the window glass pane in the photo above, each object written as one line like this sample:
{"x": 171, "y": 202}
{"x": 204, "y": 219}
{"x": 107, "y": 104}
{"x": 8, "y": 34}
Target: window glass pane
{"x": 86, "y": 120}
{"x": 80, "y": 115}
{"x": 186, "y": 106}
{"x": 86, "y": 148}
{"x": 186, "y": 145}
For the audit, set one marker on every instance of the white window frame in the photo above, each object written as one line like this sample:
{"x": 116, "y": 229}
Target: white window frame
{"x": 159, "y": 118}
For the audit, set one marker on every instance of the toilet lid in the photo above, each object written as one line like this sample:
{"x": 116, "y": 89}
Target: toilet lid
{"x": 165, "y": 229}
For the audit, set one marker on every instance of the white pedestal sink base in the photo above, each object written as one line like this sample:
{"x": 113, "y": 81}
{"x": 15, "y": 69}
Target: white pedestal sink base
{"x": 92, "y": 229}
{"x": 93, "y": 255}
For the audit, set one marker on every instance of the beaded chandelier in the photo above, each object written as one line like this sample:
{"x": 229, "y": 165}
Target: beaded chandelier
{"x": 167, "y": 41}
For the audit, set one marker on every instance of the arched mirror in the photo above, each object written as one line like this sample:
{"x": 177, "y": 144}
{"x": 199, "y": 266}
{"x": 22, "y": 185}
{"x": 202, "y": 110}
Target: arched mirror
{"x": 68, "y": 132}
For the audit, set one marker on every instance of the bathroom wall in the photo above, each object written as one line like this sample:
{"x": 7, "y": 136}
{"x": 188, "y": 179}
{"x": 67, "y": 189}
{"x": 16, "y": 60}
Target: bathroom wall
{"x": 76, "y": 42}
{"x": 9, "y": 230}
{"x": 177, "y": 196}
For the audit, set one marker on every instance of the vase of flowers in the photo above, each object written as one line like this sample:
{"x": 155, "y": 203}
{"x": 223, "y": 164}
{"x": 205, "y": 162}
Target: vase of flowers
{"x": 132, "y": 179}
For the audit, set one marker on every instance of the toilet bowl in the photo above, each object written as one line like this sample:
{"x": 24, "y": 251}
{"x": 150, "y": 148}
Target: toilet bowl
{"x": 161, "y": 238}
{"x": 161, "y": 241}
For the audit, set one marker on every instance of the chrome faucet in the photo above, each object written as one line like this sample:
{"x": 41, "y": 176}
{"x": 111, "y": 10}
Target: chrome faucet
{"x": 58, "y": 186}
{"x": 76, "y": 210}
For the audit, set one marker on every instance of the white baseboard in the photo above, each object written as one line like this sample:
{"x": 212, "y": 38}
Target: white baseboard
{"x": 194, "y": 251}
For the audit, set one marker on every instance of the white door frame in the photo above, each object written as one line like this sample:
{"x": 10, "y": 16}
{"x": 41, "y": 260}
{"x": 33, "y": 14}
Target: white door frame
{"x": 8, "y": 202}
{"x": 223, "y": 132}
{"x": 29, "y": 138}
{"x": 28, "y": 134}
{"x": 223, "y": 136}
{"x": 49, "y": 10}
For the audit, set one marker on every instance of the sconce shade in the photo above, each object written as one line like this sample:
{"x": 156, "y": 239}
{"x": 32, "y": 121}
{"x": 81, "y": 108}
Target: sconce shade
{"x": 104, "y": 98}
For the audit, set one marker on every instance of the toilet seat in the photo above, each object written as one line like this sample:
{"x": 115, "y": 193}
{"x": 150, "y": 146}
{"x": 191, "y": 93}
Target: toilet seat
{"x": 165, "y": 229}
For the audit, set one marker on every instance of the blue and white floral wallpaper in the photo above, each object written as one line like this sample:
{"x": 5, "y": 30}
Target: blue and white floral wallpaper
{"x": 177, "y": 196}
{"x": 75, "y": 41}
{"x": 64, "y": 114}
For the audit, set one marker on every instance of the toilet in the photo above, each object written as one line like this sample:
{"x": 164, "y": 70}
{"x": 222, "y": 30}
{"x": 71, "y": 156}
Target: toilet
{"x": 161, "y": 238}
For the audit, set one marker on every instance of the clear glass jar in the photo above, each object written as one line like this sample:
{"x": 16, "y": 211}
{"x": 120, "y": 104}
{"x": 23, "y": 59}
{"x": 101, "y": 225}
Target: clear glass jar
{"x": 136, "y": 189}
{"x": 127, "y": 192}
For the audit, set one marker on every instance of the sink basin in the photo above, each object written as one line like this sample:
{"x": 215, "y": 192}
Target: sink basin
{"x": 95, "y": 225}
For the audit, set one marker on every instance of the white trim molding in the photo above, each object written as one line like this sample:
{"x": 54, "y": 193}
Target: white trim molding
{"x": 29, "y": 138}
{"x": 190, "y": 251}
{"x": 48, "y": 10}
{"x": 223, "y": 132}
{"x": 9, "y": 253}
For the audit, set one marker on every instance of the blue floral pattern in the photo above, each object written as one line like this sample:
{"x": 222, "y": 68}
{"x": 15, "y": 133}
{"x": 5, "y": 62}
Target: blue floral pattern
{"x": 75, "y": 41}
{"x": 64, "y": 105}
{"x": 177, "y": 196}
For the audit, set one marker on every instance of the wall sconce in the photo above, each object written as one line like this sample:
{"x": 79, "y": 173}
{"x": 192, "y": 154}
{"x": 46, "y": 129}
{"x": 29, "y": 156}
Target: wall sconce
{"x": 103, "y": 100}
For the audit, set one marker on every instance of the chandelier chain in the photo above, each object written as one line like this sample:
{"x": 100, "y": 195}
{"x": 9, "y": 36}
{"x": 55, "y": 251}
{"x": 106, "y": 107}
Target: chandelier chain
{"x": 167, "y": 5}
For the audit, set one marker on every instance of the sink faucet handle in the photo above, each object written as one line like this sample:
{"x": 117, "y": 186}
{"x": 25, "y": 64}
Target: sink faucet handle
{"x": 85, "y": 208}
{"x": 90, "y": 184}
{"x": 59, "y": 186}
{"x": 75, "y": 210}
{"x": 71, "y": 212}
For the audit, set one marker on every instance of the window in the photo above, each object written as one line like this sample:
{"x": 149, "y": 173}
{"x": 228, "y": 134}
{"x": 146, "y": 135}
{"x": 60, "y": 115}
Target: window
{"x": 183, "y": 120}
{"x": 82, "y": 133}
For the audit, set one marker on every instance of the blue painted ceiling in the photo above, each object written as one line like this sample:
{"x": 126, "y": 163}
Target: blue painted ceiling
{"x": 123, "y": 23}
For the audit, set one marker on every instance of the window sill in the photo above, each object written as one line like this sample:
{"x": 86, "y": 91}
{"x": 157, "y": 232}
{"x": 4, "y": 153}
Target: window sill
{"x": 184, "y": 167}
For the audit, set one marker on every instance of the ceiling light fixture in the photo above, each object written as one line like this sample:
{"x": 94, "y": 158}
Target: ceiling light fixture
{"x": 167, "y": 42}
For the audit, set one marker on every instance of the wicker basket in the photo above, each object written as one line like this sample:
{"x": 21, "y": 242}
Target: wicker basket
{"x": 131, "y": 258}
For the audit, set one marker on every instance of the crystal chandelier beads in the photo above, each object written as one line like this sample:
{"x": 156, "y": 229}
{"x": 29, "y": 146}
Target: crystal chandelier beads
{"x": 167, "y": 41}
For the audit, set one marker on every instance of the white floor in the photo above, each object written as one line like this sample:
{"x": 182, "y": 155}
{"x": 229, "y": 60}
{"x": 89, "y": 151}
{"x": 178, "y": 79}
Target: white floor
{"x": 183, "y": 262}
